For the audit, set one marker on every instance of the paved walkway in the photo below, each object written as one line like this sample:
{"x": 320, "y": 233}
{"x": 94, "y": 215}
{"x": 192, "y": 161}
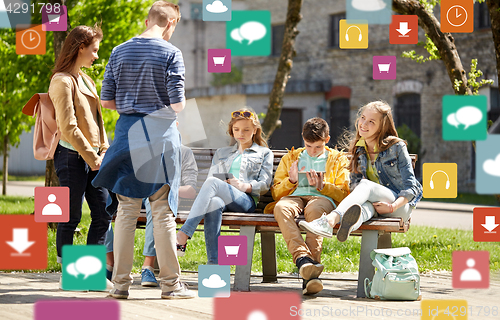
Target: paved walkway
{"x": 19, "y": 291}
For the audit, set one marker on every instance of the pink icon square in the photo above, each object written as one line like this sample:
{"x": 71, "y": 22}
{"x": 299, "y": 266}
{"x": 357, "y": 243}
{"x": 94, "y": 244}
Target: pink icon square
{"x": 65, "y": 309}
{"x": 51, "y": 204}
{"x": 233, "y": 250}
{"x": 219, "y": 60}
{"x": 470, "y": 269}
{"x": 384, "y": 67}
{"x": 54, "y": 18}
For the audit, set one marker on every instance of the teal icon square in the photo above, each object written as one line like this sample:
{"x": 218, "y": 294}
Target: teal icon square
{"x": 488, "y": 165}
{"x": 375, "y": 11}
{"x": 216, "y": 10}
{"x": 249, "y": 33}
{"x": 214, "y": 281}
{"x": 464, "y": 118}
{"x": 84, "y": 267}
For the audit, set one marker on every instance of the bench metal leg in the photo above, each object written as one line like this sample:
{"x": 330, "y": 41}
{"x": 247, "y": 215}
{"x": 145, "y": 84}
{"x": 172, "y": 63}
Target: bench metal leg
{"x": 366, "y": 269}
{"x": 269, "y": 269}
{"x": 242, "y": 275}
{"x": 384, "y": 241}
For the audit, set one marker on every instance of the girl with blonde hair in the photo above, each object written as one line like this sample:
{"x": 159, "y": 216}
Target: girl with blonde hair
{"x": 250, "y": 162}
{"x": 382, "y": 178}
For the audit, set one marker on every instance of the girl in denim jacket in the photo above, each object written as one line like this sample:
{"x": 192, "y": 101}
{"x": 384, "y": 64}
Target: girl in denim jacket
{"x": 251, "y": 163}
{"x": 382, "y": 178}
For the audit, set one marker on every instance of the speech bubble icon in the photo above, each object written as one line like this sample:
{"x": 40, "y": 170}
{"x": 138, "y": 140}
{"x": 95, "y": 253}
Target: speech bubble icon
{"x": 235, "y": 34}
{"x": 88, "y": 265}
{"x": 253, "y": 30}
{"x": 452, "y": 120}
{"x": 71, "y": 268}
{"x": 469, "y": 115}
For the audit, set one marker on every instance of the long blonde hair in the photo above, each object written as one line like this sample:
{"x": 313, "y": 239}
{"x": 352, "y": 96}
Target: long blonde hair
{"x": 259, "y": 136}
{"x": 387, "y": 135}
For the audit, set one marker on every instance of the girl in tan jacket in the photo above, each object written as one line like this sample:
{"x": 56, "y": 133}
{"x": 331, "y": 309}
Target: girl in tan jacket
{"x": 83, "y": 139}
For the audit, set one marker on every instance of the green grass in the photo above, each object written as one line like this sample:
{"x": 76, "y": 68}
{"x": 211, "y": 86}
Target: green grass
{"x": 470, "y": 198}
{"x": 23, "y": 178}
{"x": 431, "y": 247}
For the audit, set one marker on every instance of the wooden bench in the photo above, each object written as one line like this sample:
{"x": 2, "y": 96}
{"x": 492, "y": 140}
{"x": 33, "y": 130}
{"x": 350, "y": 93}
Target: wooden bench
{"x": 376, "y": 233}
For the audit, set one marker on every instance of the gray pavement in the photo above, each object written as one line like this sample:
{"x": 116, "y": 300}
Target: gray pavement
{"x": 19, "y": 291}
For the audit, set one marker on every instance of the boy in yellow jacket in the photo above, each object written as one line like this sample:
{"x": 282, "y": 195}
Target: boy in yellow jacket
{"x": 312, "y": 180}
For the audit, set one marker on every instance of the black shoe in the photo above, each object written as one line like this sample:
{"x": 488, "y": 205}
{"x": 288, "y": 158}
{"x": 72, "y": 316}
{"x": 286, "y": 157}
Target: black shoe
{"x": 308, "y": 268}
{"x": 311, "y": 286}
{"x": 351, "y": 216}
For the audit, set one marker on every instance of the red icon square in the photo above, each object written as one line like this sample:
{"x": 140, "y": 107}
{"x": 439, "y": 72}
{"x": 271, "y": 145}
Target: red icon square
{"x": 486, "y": 225}
{"x": 23, "y": 243}
{"x": 51, "y": 204}
{"x": 403, "y": 29}
{"x": 470, "y": 269}
{"x": 262, "y": 305}
{"x": 457, "y": 16}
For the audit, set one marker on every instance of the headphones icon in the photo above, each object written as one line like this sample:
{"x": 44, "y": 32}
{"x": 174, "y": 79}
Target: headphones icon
{"x": 447, "y": 181}
{"x": 360, "y": 33}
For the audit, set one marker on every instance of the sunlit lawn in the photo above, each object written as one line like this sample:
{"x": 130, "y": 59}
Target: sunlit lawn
{"x": 431, "y": 247}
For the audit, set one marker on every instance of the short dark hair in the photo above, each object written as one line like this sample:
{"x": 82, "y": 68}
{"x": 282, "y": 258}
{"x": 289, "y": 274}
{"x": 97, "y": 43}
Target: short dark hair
{"x": 315, "y": 129}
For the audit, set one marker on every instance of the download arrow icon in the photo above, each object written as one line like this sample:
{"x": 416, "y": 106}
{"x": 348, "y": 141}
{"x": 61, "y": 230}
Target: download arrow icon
{"x": 489, "y": 223}
{"x": 403, "y": 29}
{"x": 20, "y": 240}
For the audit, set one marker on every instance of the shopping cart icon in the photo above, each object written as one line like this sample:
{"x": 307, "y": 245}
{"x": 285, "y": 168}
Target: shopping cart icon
{"x": 219, "y": 60}
{"x": 232, "y": 250}
{"x": 384, "y": 67}
{"x": 53, "y": 18}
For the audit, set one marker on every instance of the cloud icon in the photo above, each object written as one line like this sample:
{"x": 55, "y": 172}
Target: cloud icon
{"x": 214, "y": 281}
{"x": 251, "y": 31}
{"x": 492, "y": 167}
{"x": 368, "y": 5}
{"x": 468, "y": 115}
{"x": 216, "y": 7}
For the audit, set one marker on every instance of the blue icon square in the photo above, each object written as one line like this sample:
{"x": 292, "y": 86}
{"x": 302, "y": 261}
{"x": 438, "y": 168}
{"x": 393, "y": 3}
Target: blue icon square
{"x": 216, "y": 10}
{"x": 375, "y": 11}
{"x": 488, "y": 165}
{"x": 214, "y": 281}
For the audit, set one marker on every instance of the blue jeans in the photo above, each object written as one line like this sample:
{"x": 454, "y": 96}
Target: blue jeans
{"x": 74, "y": 173}
{"x": 215, "y": 197}
{"x": 367, "y": 192}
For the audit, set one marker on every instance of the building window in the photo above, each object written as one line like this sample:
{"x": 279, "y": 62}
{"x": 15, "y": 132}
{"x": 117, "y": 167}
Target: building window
{"x": 481, "y": 16}
{"x": 333, "y": 41}
{"x": 278, "y": 33}
{"x": 196, "y": 11}
{"x": 494, "y": 107}
{"x": 407, "y": 112}
{"x": 339, "y": 119}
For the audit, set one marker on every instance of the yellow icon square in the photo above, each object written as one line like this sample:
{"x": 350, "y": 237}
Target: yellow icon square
{"x": 353, "y": 34}
{"x": 440, "y": 180}
{"x": 444, "y": 310}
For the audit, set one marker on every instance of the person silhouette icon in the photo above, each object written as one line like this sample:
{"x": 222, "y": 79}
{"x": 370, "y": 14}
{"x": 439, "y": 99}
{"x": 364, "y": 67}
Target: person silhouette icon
{"x": 470, "y": 274}
{"x": 51, "y": 209}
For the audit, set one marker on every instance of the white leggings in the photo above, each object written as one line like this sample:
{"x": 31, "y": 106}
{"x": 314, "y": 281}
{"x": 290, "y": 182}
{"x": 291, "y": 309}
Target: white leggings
{"x": 366, "y": 193}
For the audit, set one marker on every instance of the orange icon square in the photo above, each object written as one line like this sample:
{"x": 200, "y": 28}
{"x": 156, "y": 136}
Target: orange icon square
{"x": 30, "y": 40}
{"x": 486, "y": 224}
{"x": 403, "y": 29}
{"x": 457, "y": 16}
{"x": 23, "y": 243}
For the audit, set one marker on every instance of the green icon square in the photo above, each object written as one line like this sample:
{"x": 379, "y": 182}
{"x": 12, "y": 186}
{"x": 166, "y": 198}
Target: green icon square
{"x": 84, "y": 267}
{"x": 249, "y": 33}
{"x": 464, "y": 118}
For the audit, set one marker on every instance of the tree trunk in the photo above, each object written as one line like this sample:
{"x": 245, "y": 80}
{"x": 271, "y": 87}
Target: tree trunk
{"x": 494, "y": 9}
{"x": 293, "y": 17}
{"x": 443, "y": 41}
{"x": 51, "y": 179}
{"x": 5, "y": 163}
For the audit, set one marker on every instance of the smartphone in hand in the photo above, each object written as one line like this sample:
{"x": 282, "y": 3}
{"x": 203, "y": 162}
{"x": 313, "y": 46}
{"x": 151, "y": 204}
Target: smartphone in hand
{"x": 224, "y": 176}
